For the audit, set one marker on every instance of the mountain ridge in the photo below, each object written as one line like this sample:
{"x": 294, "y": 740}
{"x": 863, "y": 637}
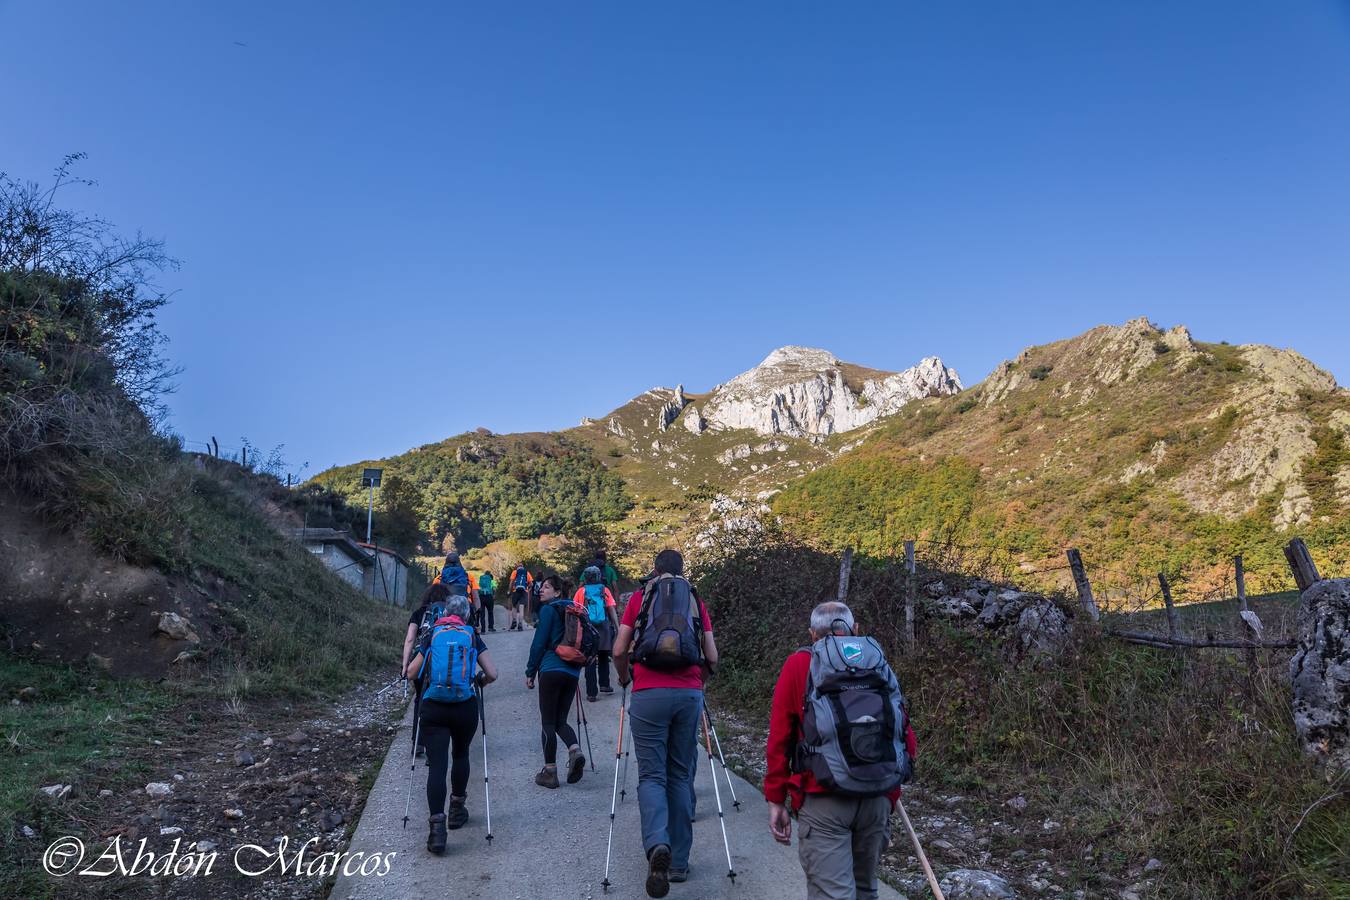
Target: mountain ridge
{"x": 1202, "y": 432}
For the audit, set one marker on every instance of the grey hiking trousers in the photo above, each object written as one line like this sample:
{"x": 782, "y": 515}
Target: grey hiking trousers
{"x": 839, "y": 841}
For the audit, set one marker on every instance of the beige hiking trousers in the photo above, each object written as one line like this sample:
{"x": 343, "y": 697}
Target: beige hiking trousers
{"x": 839, "y": 841}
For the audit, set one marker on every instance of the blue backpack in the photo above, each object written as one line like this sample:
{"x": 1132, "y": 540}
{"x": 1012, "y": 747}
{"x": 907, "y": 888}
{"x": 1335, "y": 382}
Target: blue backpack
{"x": 452, "y": 663}
{"x": 522, "y": 579}
{"x": 595, "y": 603}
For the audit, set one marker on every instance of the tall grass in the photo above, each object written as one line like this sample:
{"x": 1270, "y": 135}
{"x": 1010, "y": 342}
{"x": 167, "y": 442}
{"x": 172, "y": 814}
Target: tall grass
{"x": 1139, "y": 752}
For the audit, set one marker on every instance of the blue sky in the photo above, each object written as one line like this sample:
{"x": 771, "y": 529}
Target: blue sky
{"x": 398, "y": 222}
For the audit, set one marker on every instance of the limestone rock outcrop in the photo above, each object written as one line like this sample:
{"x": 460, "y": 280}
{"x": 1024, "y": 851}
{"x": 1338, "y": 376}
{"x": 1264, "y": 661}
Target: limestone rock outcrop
{"x": 1320, "y": 670}
{"x": 801, "y": 391}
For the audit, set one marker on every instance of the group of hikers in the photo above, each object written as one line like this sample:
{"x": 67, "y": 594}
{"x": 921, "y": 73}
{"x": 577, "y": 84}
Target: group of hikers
{"x": 839, "y": 747}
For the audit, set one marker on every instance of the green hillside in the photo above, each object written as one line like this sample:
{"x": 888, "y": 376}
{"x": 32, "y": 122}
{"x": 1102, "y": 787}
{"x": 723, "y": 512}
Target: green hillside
{"x": 1144, "y": 448}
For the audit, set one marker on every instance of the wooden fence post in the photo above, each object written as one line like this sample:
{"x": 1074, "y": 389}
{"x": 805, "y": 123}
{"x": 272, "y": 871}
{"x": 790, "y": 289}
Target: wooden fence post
{"x": 1249, "y": 619}
{"x": 1173, "y": 630}
{"x": 1301, "y": 564}
{"x": 910, "y": 587}
{"x": 1084, "y": 586}
{"x": 845, "y": 568}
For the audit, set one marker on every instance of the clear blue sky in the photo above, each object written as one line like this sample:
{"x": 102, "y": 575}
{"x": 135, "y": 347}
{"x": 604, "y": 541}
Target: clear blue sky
{"x": 400, "y": 222}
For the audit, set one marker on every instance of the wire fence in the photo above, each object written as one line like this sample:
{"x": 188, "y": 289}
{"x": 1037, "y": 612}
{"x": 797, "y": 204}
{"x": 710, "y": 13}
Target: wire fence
{"x": 1207, "y": 607}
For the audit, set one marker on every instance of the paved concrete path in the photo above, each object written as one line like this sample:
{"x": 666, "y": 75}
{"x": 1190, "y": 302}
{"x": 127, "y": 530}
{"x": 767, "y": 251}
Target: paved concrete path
{"x": 551, "y": 844}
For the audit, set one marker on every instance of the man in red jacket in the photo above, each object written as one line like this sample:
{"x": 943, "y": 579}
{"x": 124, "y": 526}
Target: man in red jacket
{"x": 840, "y": 838}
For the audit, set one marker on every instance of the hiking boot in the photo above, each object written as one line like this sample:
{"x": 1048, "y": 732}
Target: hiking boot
{"x": 576, "y": 767}
{"x": 458, "y": 814}
{"x": 679, "y": 876}
{"x": 437, "y": 838}
{"x": 606, "y": 690}
{"x": 658, "y": 871}
{"x": 592, "y": 697}
{"x": 547, "y": 777}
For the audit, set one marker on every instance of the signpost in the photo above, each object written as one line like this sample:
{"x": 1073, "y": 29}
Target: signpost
{"x": 371, "y": 478}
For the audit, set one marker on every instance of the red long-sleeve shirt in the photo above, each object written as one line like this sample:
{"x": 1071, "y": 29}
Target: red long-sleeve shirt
{"x": 785, "y": 729}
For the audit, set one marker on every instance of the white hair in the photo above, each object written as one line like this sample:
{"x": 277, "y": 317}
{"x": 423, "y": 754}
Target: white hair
{"x": 826, "y": 617}
{"x": 458, "y": 605}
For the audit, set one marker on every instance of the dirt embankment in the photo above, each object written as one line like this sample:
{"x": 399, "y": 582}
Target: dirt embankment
{"x": 60, "y": 601}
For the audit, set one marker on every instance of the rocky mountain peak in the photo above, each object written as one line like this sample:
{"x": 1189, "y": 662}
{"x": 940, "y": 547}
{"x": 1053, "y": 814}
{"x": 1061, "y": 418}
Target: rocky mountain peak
{"x": 803, "y": 391}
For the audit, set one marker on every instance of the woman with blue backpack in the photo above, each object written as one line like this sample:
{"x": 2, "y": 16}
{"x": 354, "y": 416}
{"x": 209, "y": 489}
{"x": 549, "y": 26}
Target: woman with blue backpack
{"x": 595, "y": 596}
{"x": 456, "y": 667}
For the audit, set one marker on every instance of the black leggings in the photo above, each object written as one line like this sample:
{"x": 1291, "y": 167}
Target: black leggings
{"x": 443, "y": 723}
{"x": 557, "y": 692}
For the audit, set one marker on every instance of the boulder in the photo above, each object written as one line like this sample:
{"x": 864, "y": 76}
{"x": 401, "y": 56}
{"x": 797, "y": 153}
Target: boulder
{"x": 694, "y": 422}
{"x": 954, "y": 608}
{"x": 1002, "y": 608}
{"x": 973, "y": 884}
{"x": 1320, "y": 670}
{"x": 1042, "y": 628}
{"x": 56, "y": 791}
{"x": 176, "y": 627}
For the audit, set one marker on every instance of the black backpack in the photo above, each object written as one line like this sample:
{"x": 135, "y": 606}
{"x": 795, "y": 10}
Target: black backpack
{"x": 669, "y": 633}
{"x": 433, "y": 612}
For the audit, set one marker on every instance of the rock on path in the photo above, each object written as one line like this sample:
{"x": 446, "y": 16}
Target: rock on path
{"x": 551, "y": 844}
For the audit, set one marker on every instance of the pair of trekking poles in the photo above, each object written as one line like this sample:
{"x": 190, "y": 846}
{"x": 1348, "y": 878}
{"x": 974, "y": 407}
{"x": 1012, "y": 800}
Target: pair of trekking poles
{"x": 487, "y": 793}
{"x": 616, "y": 795}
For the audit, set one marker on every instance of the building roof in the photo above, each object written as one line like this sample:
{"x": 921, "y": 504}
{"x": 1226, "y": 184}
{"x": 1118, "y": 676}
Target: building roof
{"x": 378, "y": 549}
{"x": 341, "y": 539}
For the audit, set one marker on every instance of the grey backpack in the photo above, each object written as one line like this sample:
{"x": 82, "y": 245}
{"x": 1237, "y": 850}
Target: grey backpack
{"x": 853, "y": 720}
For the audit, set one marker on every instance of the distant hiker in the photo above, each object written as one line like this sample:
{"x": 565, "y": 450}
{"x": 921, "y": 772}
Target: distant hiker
{"x": 452, "y": 664}
{"x": 667, "y": 631}
{"x": 839, "y": 748}
{"x": 521, "y": 582}
{"x": 430, "y": 607}
{"x": 596, "y": 599}
{"x": 608, "y": 576}
{"x": 557, "y": 685}
{"x": 535, "y": 602}
{"x": 487, "y": 589}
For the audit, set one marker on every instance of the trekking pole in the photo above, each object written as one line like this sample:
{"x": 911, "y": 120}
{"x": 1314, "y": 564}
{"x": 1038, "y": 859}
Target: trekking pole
{"x": 623, "y": 791}
{"x": 613, "y": 794}
{"x": 487, "y": 796}
{"x": 391, "y": 684}
{"x": 918, "y": 851}
{"x": 717, "y": 792}
{"x": 407, "y": 802}
{"x": 585, "y": 726}
{"x": 722, "y": 756}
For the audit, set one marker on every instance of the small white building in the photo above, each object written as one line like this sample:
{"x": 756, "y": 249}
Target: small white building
{"x": 335, "y": 549}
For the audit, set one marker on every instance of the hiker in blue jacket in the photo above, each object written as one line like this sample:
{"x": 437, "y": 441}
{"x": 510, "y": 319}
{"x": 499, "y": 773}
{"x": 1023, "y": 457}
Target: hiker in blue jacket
{"x": 446, "y": 721}
{"x": 557, "y": 686}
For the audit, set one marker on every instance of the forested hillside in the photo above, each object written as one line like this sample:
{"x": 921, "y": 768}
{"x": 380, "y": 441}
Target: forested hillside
{"x": 478, "y": 488}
